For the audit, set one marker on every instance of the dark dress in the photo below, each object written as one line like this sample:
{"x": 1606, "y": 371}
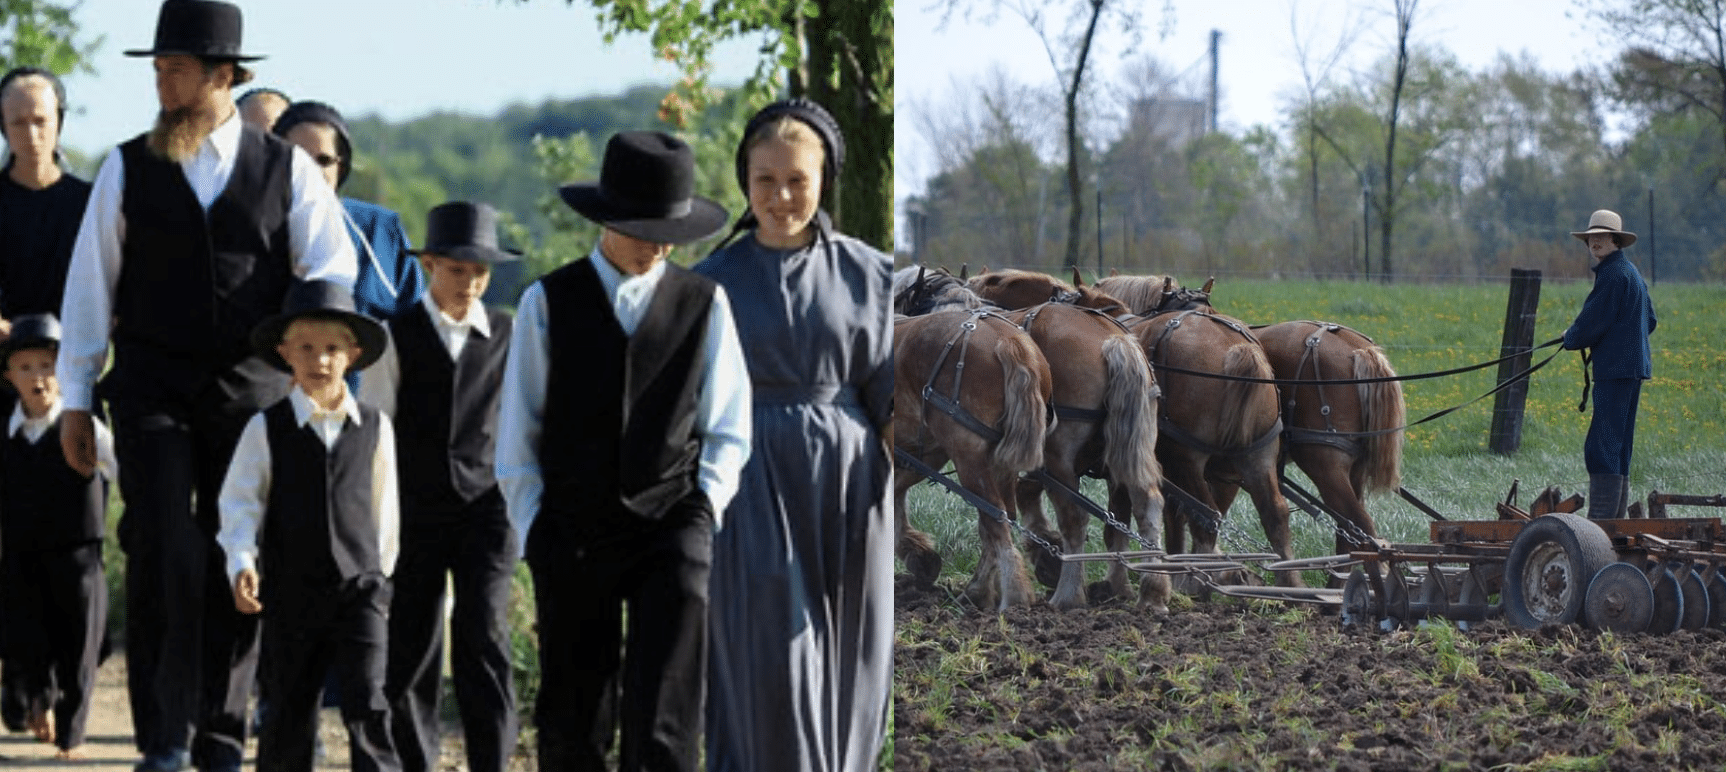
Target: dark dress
{"x": 37, "y": 230}
{"x": 801, "y": 593}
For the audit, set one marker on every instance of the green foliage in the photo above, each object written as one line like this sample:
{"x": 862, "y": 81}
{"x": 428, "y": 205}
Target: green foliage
{"x": 43, "y": 34}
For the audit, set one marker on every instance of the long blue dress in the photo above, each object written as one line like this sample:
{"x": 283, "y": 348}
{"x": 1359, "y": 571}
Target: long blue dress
{"x": 801, "y": 596}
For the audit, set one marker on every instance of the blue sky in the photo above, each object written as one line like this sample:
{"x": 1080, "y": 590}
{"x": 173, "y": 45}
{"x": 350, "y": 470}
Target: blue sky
{"x": 397, "y": 58}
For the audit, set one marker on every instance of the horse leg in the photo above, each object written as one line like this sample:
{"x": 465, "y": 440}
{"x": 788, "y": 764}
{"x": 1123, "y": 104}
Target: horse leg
{"x": 1331, "y": 470}
{"x": 913, "y": 546}
{"x": 1147, "y": 507}
{"x": 1028, "y": 494}
{"x": 1000, "y": 579}
{"x": 1120, "y": 501}
{"x": 1258, "y": 473}
{"x": 1070, "y": 590}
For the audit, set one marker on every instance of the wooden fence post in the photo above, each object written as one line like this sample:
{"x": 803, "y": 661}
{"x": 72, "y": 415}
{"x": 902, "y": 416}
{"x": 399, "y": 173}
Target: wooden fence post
{"x": 1519, "y": 315}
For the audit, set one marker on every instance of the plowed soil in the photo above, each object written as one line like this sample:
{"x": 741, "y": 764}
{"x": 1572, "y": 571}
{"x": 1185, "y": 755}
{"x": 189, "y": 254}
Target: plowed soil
{"x": 1231, "y": 685}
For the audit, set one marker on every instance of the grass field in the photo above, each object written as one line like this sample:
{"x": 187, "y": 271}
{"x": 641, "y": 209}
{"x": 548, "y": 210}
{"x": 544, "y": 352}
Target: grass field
{"x": 1680, "y": 431}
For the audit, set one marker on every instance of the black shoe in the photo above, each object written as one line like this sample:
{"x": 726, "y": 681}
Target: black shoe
{"x": 170, "y": 761}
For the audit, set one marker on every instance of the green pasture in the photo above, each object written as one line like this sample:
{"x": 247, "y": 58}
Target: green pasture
{"x": 1680, "y": 432}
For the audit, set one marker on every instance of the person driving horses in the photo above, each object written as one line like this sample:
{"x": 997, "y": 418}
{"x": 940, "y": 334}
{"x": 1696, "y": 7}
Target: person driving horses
{"x": 1614, "y": 324}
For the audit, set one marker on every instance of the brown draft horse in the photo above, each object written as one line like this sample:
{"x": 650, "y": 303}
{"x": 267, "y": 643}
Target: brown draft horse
{"x": 1217, "y": 435}
{"x": 996, "y": 376}
{"x": 1104, "y": 400}
{"x": 1339, "y": 435}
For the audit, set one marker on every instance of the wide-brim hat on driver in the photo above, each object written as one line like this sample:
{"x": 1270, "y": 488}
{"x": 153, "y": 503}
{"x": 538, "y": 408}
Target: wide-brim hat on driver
{"x": 646, "y": 189}
{"x": 319, "y": 299}
{"x": 208, "y": 29}
{"x": 1606, "y": 221}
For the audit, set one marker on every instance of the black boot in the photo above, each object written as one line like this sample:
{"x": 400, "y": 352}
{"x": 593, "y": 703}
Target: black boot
{"x": 1624, "y": 497}
{"x": 1603, "y": 495}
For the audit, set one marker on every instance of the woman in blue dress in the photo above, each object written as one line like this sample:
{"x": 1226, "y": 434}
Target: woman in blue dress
{"x": 801, "y": 595}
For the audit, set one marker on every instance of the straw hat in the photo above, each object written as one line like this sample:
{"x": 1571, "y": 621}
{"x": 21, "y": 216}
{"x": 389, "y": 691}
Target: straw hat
{"x": 1606, "y": 221}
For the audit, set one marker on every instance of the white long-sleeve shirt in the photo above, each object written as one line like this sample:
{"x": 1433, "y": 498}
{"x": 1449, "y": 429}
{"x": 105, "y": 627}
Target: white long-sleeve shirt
{"x": 246, "y": 489}
{"x": 318, "y": 248}
{"x": 722, "y": 414}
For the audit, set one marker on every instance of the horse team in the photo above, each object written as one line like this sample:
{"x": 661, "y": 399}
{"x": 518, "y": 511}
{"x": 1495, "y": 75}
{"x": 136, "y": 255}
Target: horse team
{"x": 1017, "y": 377}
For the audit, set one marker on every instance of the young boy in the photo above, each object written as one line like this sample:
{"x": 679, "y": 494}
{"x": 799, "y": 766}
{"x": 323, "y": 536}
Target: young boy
{"x": 444, "y": 367}
{"x": 52, "y": 584}
{"x": 623, "y": 429}
{"x": 309, "y": 523}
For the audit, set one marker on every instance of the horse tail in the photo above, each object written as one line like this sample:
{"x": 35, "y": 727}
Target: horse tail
{"x": 1025, "y": 407}
{"x": 1243, "y": 360}
{"x": 1130, "y": 432}
{"x": 1381, "y": 407}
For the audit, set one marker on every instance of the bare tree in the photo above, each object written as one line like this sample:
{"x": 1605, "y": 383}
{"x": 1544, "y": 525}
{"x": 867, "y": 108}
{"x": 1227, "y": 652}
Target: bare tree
{"x": 1070, "y": 49}
{"x": 1674, "y": 56}
{"x": 1315, "y": 70}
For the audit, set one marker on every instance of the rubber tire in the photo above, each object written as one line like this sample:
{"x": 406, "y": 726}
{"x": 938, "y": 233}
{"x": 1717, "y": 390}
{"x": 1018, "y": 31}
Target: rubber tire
{"x": 1585, "y": 550}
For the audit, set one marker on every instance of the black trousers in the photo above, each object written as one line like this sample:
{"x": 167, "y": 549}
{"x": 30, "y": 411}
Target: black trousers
{"x": 56, "y": 606}
{"x": 598, "y": 672}
{"x": 477, "y": 547}
{"x": 190, "y": 656}
{"x": 307, "y": 631}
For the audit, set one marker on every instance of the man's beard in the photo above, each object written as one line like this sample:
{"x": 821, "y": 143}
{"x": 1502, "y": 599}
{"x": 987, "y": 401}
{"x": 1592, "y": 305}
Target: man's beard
{"x": 178, "y": 132}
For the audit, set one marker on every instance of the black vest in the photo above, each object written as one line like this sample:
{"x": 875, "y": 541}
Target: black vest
{"x": 619, "y": 425}
{"x": 44, "y": 504}
{"x": 193, "y": 283}
{"x": 446, "y": 444}
{"x": 319, "y": 528}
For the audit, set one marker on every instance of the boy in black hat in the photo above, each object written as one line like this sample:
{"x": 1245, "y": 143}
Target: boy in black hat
{"x": 311, "y": 498}
{"x": 624, "y": 426}
{"x": 52, "y": 584}
{"x": 444, "y": 367}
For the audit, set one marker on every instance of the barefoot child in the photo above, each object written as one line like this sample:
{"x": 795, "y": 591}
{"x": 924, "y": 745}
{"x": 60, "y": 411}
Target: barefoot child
{"x": 52, "y": 583}
{"x": 309, "y": 524}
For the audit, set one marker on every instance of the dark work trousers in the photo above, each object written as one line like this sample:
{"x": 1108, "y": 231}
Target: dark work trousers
{"x": 1612, "y": 430}
{"x": 190, "y": 656}
{"x": 477, "y": 547}
{"x": 307, "y": 631}
{"x": 595, "y": 674}
{"x": 57, "y": 601}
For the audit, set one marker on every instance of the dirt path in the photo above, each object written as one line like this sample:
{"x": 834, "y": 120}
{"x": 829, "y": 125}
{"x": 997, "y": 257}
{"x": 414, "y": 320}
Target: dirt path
{"x": 109, "y": 744}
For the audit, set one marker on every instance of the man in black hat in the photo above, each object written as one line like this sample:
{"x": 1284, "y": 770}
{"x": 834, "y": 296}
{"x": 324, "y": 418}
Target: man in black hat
{"x": 194, "y": 232}
{"x": 624, "y": 427}
{"x": 444, "y": 367}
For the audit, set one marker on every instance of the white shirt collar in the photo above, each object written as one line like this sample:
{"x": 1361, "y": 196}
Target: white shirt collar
{"x": 305, "y": 410}
{"x": 19, "y": 419}
{"x": 612, "y": 279}
{"x": 475, "y": 318}
{"x": 225, "y": 139}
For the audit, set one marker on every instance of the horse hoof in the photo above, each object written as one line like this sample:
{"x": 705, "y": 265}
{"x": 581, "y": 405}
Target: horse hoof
{"x": 925, "y": 568}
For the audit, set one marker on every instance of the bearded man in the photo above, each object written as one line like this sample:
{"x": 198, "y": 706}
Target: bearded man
{"x": 193, "y": 234}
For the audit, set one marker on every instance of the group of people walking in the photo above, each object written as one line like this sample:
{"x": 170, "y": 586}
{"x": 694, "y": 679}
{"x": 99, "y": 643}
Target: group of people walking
{"x": 691, "y": 462}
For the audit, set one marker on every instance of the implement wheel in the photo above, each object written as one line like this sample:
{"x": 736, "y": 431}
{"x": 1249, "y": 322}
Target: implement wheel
{"x": 1547, "y": 571}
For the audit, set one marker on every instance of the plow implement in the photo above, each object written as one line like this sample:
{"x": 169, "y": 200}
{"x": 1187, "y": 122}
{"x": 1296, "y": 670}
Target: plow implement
{"x": 1655, "y": 575}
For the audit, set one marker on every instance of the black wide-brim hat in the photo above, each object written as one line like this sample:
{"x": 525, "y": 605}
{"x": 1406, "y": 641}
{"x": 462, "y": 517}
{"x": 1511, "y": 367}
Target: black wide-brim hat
{"x": 30, "y": 331}
{"x": 646, "y": 189}
{"x": 208, "y": 29}
{"x": 319, "y": 299}
{"x": 465, "y": 231}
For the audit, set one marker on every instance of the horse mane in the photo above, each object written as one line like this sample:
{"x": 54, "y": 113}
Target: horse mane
{"x": 936, "y": 290}
{"x": 1140, "y": 294}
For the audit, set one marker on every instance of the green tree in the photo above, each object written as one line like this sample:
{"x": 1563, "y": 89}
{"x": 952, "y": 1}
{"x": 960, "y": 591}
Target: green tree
{"x": 838, "y": 52}
{"x": 1674, "y": 56}
{"x": 43, "y": 34}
